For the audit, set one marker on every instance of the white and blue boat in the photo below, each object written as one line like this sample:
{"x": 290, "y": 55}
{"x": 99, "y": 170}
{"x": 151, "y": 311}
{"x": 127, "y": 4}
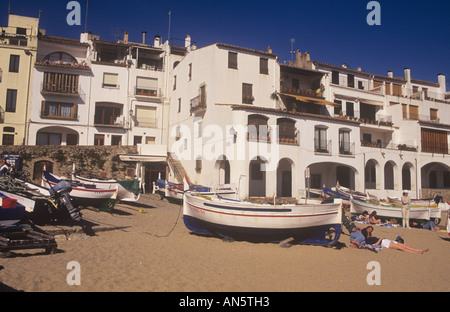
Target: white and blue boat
{"x": 310, "y": 224}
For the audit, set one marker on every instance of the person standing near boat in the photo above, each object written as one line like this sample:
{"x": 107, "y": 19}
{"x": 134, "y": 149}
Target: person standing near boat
{"x": 406, "y": 201}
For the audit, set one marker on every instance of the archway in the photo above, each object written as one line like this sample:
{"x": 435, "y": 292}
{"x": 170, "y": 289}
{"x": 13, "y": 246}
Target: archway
{"x": 407, "y": 176}
{"x": 284, "y": 178}
{"x": 223, "y": 169}
{"x": 370, "y": 174}
{"x": 389, "y": 175}
{"x": 257, "y": 181}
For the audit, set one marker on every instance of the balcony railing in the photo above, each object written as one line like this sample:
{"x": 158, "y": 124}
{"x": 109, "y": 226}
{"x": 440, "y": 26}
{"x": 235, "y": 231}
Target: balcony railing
{"x": 197, "y": 105}
{"x": 322, "y": 146}
{"x": 347, "y": 148}
{"x": 391, "y": 146}
{"x": 61, "y": 89}
{"x": 147, "y": 92}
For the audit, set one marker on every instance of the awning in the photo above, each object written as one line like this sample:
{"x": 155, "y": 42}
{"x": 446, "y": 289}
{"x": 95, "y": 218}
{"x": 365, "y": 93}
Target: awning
{"x": 309, "y": 99}
{"x": 371, "y": 102}
{"x": 142, "y": 158}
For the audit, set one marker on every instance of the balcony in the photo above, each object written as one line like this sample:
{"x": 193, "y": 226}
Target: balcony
{"x": 148, "y": 93}
{"x": 198, "y": 106}
{"x": 61, "y": 89}
{"x": 346, "y": 148}
{"x": 390, "y": 146}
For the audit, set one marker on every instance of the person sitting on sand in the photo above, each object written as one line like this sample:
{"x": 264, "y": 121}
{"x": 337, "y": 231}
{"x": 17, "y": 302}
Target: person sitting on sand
{"x": 367, "y": 232}
{"x": 373, "y": 219}
{"x": 357, "y": 238}
{"x": 364, "y": 217}
{"x": 430, "y": 225}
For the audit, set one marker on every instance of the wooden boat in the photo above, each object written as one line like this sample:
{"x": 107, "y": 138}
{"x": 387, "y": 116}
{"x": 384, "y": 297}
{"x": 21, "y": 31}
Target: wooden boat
{"x": 84, "y": 195}
{"x": 127, "y": 190}
{"x": 306, "y": 224}
{"x": 389, "y": 211}
{"x": 359, "y": 196}
{"x": 174, "y": 192}
{"x": 429, "y": 202}
{"x": 11, "y": 212}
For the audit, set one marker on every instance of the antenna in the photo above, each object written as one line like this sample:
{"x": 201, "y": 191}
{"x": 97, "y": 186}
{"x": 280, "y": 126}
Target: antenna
{"x": 168, "y": 34}
{"x": 85, "y": 22}
{"x": 292, "y": 49}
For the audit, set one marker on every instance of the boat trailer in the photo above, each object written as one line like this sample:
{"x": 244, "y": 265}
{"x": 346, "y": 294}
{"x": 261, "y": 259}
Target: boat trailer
{"x": 24, "y": 237}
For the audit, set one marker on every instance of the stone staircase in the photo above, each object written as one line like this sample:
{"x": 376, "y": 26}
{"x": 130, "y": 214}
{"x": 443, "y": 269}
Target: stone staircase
{"x": 177, "y": 168}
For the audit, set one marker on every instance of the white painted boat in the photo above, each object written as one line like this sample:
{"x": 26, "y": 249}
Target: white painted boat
{"x": 307, "y": 224}
{"x": 83, "y": 195}
{"x": 414, "y": 202}
{"x": 130, "y": 193}
{"x": 389, "y": 210}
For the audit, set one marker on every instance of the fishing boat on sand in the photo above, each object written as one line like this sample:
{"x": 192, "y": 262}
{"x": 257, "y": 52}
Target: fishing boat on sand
{"x": 389, "y": 211}
{"x": 306, "y": 224}
{"x": 429, "y": 202}
{"x": 174, "y": 192}
{"x": 11, "y": 212}
{"x": 84, "y": 195}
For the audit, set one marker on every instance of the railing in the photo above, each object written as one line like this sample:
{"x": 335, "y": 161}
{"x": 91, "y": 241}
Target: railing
{"x": 61, "y": 89}
{"x": 391, "y": 146}
{"x": 147, "y": 92}
{"x": 197, "y": 105}
{"x": 322, "y": 146}
{"x": 347, "y": 148}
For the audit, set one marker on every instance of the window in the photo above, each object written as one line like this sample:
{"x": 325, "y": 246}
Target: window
{"x": 367, "y": 138}
{"x": 137, "y": 140}
{"x": 190, "y": 72}
{"x": 335, "y": 77}
{"x": 44, "y": 138}
{"x": 110, "y": 80}
{"x": 146, "y": 86}
{"x": 14, "y": 63}
{"x": 350, "y": 109}
{"x": 174, "y": 82}
{"x": 257, "y": 127}
{"x": 150, "y": 140}
{"x": 11, "y": 100}
{"x": 60, "y": 83}
{"x": 413, "y": 112}
{"x": 264, "y": 66}
{"x": 72, "y": 139}
{"x": 433, "y": 114}
{"x": 360, "y": 85}
{"x": 247, "y": 93}
{"x": 232, "y": 60}
{"x": 320, "y": 140}
{"x": 179, "y": 105}
{"x": 146, "y": 117}
{"x": 99, "y": 139}
{"x": 59, "y": 110}
{"x": 397, "y": 90}
{"x": 116, "y": 140}
{"x": 21, "y": 31}
{"x": 8, "y": 139}
{"x": 338, "y": 109}
{"x": 344, "y": 142}
{"x": 61, "y": 58}
{"x": 107, "y": 113}
{"x": 286, "y": 130}
{"x": 295, "y": 84}
{"x": 434, "y": 141}
{"x": 350, "y": 81}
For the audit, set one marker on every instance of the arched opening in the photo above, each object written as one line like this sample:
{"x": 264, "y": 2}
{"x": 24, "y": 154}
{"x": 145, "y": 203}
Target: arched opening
{"x": 284, "y": 178}
{"x": 224, "y": 170}
{"x": 38, "y": 170}
{"x": 370, "y": 174}
{"x": 257, "y": 181}
{"x": 389, "y": 176}
{"x": 407, "y": 176}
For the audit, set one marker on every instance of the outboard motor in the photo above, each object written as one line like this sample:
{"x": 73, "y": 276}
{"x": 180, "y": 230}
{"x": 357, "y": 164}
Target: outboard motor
{"x": 60, "y": 192}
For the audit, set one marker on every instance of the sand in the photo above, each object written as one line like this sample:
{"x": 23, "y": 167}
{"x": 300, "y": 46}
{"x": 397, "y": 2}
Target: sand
{"x": 154, "y": 252}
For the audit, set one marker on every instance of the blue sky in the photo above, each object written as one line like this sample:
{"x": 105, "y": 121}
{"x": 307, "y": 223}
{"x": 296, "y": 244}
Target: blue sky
{"x": 413, "y": 34}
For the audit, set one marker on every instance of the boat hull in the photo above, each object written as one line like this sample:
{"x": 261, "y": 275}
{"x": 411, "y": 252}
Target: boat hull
{"x": 122, "y": 193}
{"x": 11, "y": 216}
{"x": 307, "y": 224}
{"x": 390, "y": 211}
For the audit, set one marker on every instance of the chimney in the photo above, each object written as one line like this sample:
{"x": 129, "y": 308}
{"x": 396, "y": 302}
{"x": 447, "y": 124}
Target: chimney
{"x": 408, "y": 75}
{"x": 125, "y": 37}
{"x": 157, "y": 42}
{"x": 187, "y": 41}
{"x": 442, "y": 83}
{"x": 390, "y": 74}
{"x": 144, "y": 33}
{"x": 269, "y": 49}
{"x": 359, "y": 68}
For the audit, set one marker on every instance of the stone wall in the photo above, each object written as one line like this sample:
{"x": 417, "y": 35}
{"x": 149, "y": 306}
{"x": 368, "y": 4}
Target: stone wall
{"x": 98, "y": 161}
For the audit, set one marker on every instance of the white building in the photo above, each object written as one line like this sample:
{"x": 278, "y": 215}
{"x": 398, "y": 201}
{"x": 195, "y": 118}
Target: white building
{"x": 369, "y": 132}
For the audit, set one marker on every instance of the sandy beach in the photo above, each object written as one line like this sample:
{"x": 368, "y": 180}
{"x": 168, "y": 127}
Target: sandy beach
{"x": 152, "y": 251}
